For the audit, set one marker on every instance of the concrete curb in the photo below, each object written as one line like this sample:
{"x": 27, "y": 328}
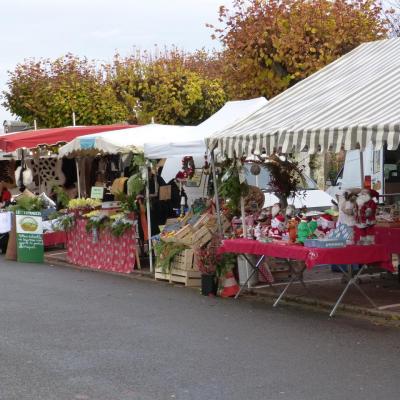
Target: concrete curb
{"x": 343, "y": 309}
{"x": 137, "y": 274}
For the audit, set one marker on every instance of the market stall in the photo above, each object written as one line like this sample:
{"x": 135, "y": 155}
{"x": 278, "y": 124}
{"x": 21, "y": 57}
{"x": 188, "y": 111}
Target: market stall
{"x": 127, "y": 146}
{"x": 183, "y": 153}
{"x": 38, "y": 170}
{"x": 350, "y": 103}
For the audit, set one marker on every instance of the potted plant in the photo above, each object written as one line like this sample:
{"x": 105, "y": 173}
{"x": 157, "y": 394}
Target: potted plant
{"x": 207, "y": 259}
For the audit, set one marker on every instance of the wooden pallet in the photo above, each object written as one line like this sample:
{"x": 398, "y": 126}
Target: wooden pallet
{"x": 188, "y": 278}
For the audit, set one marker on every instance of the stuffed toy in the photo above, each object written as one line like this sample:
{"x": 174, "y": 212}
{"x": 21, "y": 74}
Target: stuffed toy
{"x": 292, "y": 230}
{"x": 306, "y": 229}
{"x": 325, "y": 225}
{"x": 277, "y": 228}
{"x": 347, "y": 209}
{"x": 263, "y": 223}
{"x": 365, "y": 217}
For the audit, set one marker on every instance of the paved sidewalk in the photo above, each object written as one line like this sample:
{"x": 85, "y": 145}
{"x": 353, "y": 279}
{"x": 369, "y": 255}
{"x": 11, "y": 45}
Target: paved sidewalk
{"x": 325, "y": 286}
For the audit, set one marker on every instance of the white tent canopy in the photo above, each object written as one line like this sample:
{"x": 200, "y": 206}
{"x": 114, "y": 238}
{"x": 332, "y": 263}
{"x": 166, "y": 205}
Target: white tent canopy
{"x": 192, "y": 141}
{"x": 351, "y": 102}
{"x": 125, "y": 140}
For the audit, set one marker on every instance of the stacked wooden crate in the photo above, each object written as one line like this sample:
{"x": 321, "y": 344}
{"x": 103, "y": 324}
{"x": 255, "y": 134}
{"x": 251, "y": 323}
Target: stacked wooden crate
{"x": 183, "y": 268}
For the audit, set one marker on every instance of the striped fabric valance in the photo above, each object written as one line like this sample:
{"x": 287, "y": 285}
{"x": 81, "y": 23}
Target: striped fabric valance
{"x": 350, "y": 103}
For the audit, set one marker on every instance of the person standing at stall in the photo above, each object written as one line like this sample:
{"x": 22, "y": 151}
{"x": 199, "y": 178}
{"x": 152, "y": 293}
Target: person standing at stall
{"x": 5, "y": 196}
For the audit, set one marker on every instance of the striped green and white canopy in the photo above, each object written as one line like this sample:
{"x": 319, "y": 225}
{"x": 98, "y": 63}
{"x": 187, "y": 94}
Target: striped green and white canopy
{"x": 350, "y": 103}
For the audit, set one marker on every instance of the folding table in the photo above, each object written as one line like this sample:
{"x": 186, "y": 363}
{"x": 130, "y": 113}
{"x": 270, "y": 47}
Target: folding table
{"x": 312, "y": 256}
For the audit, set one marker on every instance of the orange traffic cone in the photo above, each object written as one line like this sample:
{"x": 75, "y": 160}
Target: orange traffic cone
{"x": 231, "y": 288}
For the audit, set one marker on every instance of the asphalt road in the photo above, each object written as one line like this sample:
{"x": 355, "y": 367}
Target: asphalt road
{"x": 74, "y": 335}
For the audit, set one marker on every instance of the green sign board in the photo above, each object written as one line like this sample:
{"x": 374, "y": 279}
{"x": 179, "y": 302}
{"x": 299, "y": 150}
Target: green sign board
{"x": 29, "y": 236}
{"x": 97, "y": 192}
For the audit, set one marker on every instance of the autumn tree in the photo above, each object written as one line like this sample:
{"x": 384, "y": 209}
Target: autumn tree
{"x": 49, "y": 91}
{"x": 391, "y": 13}
{"x": 171, "y": 87}
{"x": 268, "y": 45}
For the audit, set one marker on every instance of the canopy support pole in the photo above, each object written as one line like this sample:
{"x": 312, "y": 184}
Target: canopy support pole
{"x": 243, "y": 212}
{"x": 78, "y": 177}
{"x": 150, "y": 247}
{"x": 362, "y": 168}
{"x": 216, "y": 197}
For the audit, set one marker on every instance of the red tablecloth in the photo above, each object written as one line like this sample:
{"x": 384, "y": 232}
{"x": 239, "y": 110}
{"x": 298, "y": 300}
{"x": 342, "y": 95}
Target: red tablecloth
{"x": 110, "y": 253}
{"x": 54, "y": 238}
{"x": 311, "y": 256}
{"x": 388, "y": 237}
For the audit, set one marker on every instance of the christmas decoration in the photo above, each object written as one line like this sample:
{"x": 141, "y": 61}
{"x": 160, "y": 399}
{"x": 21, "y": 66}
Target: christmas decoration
{"x": 365, "y": 217}
{"x": 347, "y": 206}
{"x": 277, "y": 227}
{"x": 325, "y": 225}
{"x": 305, "y": 229}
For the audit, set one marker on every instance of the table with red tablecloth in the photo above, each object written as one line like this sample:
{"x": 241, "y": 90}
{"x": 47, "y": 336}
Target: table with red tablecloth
{"x": 108, "y": 252}
{"x": 376, "y": 254}
{"x": 54, "y": 239}
{"x": 389, "y": 237}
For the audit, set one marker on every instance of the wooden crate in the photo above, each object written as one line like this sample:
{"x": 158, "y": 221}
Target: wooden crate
{"x": 201, "y": 237}
{"x": 160, "y": 275}
{"x": 190, "y": 278}
{"x": 182, "y": 236}
{"x": 184, "y": 260}
{"x": 203, "y": 220}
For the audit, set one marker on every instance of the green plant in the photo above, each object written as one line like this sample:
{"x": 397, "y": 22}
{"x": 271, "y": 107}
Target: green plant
{"x": 62, "y": 197}
{"x": 166, "y": 252}
{"x": 128, "y": 203}
{"x": 120, "y": 225}
{"x": 65, "y": 222}
{"x": 96, "y": 222}
{"x": 226, "y": 263}
{"x": 232, "y": 188}
{"x": 136, "y": 184}
{"x": 26, "y": 203}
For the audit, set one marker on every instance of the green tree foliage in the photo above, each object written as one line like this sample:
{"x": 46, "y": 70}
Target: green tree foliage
{"x": 268, "y": 45}
{"x": 49, "y": 91}
{"x": 172, "y": 87}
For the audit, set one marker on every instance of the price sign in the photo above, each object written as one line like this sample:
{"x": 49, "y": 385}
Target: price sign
{"x": 29, "y": 236}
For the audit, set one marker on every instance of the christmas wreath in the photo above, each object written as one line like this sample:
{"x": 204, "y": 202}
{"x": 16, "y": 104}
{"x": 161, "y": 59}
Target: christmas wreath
{"x": 188, "y": 168}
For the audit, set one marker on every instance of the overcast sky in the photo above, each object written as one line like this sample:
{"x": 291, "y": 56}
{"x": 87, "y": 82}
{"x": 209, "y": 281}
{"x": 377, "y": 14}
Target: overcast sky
{"x": 99, "y": 28}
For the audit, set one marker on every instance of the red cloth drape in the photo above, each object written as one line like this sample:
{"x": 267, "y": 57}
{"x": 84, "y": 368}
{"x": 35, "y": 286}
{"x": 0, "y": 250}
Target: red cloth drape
{"x": 312, "y": 256}
{"x": 109, "y": 253}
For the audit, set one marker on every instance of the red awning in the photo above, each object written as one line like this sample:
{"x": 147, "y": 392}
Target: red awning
{"x": 51, "y": 136}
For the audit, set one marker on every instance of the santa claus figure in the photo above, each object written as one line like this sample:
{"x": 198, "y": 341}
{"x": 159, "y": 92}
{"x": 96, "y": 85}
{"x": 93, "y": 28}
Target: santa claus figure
{"x": 277, "y": 228}
{"x": 325, "y": 225}
{"x": 365, "y": 217}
